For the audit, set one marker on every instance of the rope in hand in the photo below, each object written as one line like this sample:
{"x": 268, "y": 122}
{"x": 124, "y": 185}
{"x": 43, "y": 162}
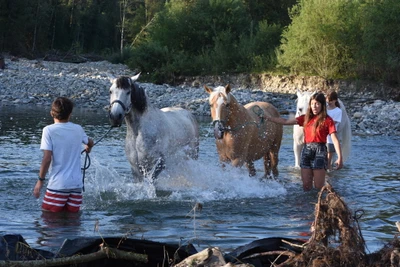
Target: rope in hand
{"x": 87, "y": 162}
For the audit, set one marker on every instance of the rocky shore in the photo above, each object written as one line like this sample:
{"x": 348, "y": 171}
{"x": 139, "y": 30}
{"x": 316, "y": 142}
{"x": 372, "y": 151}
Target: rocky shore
{"x": 34, "y": 82}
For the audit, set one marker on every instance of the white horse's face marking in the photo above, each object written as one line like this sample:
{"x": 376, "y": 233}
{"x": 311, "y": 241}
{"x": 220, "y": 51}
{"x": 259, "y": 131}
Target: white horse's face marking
{"x": 219, "y": 101}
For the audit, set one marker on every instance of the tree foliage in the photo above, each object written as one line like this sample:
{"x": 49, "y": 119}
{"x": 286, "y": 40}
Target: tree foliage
{"x": 379, "y": 51}
{"x": 208, "y": 37}
{"x": 165, "y": 39}
{"x": 343, "y": 39}
{"x": 316, "y": 42}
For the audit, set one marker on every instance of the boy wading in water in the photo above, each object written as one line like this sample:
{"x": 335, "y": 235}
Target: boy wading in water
{"x": 61, "y": 145}
{"x": 317, "y": 126}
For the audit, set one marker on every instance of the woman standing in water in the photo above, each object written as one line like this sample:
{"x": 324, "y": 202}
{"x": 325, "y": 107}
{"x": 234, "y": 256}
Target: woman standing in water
{"x": 317, "y": 126}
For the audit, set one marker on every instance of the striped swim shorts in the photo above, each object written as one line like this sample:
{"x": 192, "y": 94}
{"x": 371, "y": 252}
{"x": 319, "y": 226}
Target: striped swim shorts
{"x": 314, "y": 156}
{"x": 62, "y": 200}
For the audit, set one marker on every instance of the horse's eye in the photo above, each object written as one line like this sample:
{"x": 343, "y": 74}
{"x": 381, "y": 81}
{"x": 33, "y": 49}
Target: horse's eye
{"x": 110, "y": 92}
{"x": 128, "y": 93}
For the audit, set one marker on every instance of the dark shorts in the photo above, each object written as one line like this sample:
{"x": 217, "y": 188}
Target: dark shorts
{"x": 314, "y": 156}
{"x": 331, "y": 148}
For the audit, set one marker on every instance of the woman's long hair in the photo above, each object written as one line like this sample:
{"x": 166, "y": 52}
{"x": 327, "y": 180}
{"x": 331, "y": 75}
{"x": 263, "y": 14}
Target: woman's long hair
{"x": 319, "y": 97}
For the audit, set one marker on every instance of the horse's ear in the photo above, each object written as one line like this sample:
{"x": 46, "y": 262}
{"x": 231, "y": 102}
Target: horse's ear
{"x": 134, "y": 78}
{"x": 227, "y": 88}
{"x": 208, "y": 89}
{"x": 298, "y": 93}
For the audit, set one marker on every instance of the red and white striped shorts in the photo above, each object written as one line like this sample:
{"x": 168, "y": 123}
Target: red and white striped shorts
{"x": 62, "y": 200}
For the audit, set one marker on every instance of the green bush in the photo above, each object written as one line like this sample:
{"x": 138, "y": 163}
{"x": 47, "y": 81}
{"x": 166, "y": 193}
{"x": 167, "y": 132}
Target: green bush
{"x": 315, "y": 43}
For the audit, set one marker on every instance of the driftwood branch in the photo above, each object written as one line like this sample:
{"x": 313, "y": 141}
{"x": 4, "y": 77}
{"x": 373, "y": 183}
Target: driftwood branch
{"x": 104, "y": 252}
{"x": 272, "y": 253}
{"x": 294, "y": 245}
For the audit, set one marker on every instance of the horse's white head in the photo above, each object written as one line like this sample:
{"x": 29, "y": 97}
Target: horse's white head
{"x": 124, "y": 94}
{"x": 303, "y": 100}
{"x": 219, "y": 101}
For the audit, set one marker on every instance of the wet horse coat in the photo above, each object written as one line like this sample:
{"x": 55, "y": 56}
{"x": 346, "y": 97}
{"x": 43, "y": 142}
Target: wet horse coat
{"x": 152, "y": 134}
{"x": 242, "y": 134}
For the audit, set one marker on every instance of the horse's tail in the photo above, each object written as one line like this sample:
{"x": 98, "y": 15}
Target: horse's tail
{"x": 344, "y": 131}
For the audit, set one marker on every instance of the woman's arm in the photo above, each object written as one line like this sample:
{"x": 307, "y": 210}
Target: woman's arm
{"x": 338, "y": 149}
{"x": 281, "y": 120}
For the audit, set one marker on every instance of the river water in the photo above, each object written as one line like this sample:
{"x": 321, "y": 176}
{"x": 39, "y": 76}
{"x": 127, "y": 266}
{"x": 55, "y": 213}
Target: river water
{"x": 236, "y": 209}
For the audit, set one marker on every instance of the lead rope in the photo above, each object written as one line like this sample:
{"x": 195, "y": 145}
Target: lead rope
{"x": 260, "y": 113}
{"x": 87, "y": 162}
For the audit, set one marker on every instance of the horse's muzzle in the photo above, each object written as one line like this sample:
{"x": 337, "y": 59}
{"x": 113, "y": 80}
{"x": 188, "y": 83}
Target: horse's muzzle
{"x": 218, "y": 129}
{"x": 115, "y": 120}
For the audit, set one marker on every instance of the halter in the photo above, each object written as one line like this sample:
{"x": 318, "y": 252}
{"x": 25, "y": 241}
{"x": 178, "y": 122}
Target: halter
{"x": 221, "y": 126}
{"x": 256, "y": 110}
{"x": 221, "y": 123}
{"x": 126, "y": 110}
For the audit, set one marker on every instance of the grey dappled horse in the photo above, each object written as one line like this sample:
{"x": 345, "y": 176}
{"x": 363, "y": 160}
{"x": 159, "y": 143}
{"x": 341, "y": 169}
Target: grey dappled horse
{"x": 153, "y": 134}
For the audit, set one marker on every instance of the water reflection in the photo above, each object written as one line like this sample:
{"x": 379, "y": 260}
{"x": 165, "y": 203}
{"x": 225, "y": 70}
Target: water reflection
{"x": 54, "y": 227}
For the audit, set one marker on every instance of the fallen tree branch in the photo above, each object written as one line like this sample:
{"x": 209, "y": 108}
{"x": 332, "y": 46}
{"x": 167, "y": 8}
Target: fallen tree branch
{"x": 104, "y": 252}
{"x": 293, "y": 244}
{"x": 272, "y": 253}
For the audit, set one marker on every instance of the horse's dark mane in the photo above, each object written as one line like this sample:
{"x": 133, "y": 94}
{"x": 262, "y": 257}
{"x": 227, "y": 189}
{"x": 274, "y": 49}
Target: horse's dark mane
{"x": 138, "y": 95}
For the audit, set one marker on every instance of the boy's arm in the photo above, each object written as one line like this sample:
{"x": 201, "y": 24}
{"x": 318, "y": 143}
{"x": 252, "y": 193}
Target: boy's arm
{"x": 89, "y": 145}
{"x": 44, "y": 167}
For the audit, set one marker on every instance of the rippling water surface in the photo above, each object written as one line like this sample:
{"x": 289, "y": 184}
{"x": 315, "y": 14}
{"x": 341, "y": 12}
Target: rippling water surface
{"x": 236, "y": 208}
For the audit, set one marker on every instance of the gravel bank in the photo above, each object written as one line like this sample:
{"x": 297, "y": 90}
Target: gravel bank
{"x": 33, "y": 82}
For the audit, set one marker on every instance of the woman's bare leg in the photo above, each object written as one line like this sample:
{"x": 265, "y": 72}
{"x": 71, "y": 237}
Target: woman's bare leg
{"x": 307, "y": 178}
{"x": 319, "y": 178}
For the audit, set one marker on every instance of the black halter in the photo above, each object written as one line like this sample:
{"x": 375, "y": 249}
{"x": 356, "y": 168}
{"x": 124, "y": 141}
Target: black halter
{"x": 126, "y": 110}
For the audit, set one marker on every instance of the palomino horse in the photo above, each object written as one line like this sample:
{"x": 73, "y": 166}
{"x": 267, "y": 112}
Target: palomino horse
{"x": 241, "y": 132}
{"x": 344, "y": 128}
{"x": 152, "y": 134}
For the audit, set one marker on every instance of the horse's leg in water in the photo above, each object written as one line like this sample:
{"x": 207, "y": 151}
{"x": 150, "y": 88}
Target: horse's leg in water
{"x": 250, "y": 166}
{"x": 137, "y": 174}
{"x": 270, "y": 164}
{"x": 274, "y": 160}
{"x": 298, "y": 141}
{"x": 297, "y": 153}
{"x": 157, "y": 168}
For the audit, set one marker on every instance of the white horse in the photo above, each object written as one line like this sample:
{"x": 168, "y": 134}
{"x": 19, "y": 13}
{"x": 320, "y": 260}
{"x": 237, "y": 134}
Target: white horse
{"x": 152, "y": 134}
{"x": 344, "y": 128}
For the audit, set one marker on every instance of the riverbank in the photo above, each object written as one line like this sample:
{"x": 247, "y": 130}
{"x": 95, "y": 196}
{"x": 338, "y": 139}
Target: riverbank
{"x": 34, "y": 82}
